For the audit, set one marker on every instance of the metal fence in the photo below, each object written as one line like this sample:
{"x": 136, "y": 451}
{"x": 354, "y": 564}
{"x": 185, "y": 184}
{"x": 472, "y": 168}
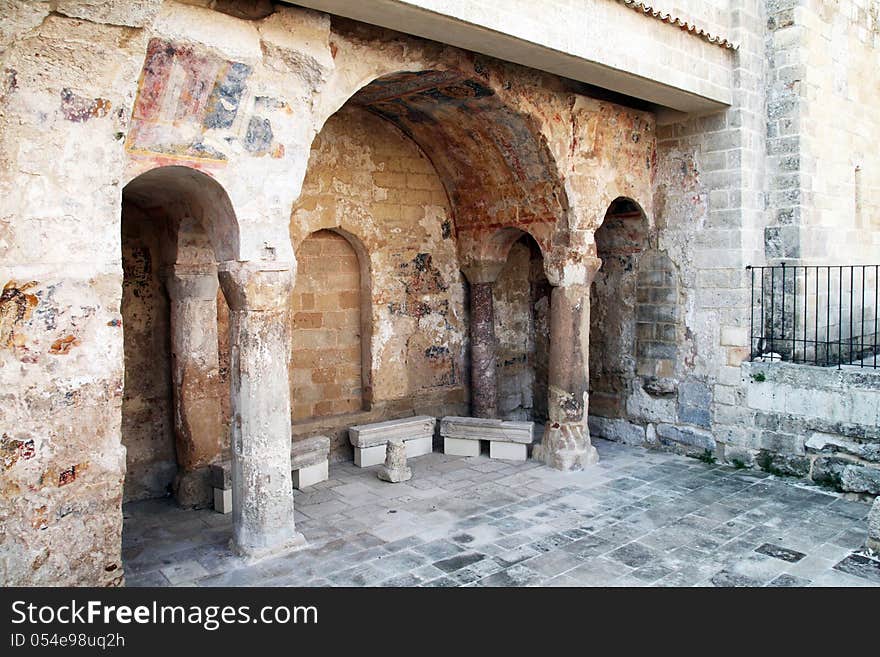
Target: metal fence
{"x": 819, "y": 315}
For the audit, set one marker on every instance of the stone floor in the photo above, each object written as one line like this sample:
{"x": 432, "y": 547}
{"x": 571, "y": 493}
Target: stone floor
{"x": 638, "y": 518}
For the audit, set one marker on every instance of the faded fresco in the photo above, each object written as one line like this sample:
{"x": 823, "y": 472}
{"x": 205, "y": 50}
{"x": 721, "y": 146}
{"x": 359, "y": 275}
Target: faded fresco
{"x": 188, "y": 104}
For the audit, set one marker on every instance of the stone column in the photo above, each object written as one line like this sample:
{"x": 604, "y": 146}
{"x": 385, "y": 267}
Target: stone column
{"x": 566, "y": 443}
{"x": 258, "y": 295}
{"x": 195, "y": 379}
{"x": 484, "y": 377}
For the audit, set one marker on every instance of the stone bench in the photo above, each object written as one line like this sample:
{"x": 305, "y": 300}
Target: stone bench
{"x": 507, "y": 440}
{"x": 309, "y": 461}
{"x": 369, "y": 440}
{"x": 309, "y": 464}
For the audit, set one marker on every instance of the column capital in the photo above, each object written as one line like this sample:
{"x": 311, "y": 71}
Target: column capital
{"x": 257, "y": 286}
{"x": 484, "y": 271}
{"x": 191, "y": 281}
{"x": 576, "y": 270}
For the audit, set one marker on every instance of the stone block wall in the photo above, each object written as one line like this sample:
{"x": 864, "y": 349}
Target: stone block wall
{"x": 820, "y": 423}
{"x": 326, "y": 363}
{"x": 657, "y": 313}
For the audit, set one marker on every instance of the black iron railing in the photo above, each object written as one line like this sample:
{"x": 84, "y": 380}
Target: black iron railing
{"x": 820, "y": 315}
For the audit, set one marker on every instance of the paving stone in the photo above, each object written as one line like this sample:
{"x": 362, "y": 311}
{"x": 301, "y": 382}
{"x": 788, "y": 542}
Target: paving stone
{"x": 459, "y": 561}
{"x": 791, "y": 581}
{"x": 518, "y": 575}
{"x": 861, "y": 566}
{"x": 637, "y": 518}
{"x": 442, "y": 582}
{"x": 634, "y": 555}
{"x": 725, "y": 578}
{"x": 779, "y": 552}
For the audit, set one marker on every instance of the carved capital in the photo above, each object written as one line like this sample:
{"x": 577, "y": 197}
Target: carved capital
{"x": 257, "y": 286}
{"x": 192, "y": 282}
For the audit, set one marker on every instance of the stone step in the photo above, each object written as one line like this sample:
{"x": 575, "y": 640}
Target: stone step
{"x": 363, "y": 436}
{"x": 477, "y": 428}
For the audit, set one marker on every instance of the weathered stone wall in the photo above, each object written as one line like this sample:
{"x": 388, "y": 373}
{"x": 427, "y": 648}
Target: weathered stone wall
{"x": 620, "y": 240}
{"x": 326, "y": 363}
{"x": 821, "y": 423}
{"x": 68, "y": 146}
{"x": 822, "y": 122}
{"x": 707, "y": 217}
{"x": 119, "y": 90}
{"x": 147, "y": 412}
{"x": 521, "y": 299}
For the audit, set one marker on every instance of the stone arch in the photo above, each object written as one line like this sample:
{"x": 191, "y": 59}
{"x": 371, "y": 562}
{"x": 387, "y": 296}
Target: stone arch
{"x": 620, "y": 242}
{"x": 521, "y": 300}
{"x": 186, "y": 195}
{"x": 332, "y": 327}
{"x": 177, "y": 222}
{"x": 463, "y": 124}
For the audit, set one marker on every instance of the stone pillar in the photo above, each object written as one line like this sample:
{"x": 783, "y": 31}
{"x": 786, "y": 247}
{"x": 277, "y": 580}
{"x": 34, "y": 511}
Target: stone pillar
{"x": 195, "y": 380}
{"x": 566, "y": 443}
{"x": 484, "y": 378}
{"x": 258, "y": 295}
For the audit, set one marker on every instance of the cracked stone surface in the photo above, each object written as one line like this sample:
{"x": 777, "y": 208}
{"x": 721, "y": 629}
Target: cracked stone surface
{"x": 636, "y": 518}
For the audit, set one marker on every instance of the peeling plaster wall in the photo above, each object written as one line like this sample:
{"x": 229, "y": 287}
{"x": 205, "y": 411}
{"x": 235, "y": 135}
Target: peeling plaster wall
{"x": 147, "y": 410}
{"x": 620, "y": 240}
{"x": 68, "y": 144}
{"x": 521, "y": 300}
{"x": 707, "y": 217}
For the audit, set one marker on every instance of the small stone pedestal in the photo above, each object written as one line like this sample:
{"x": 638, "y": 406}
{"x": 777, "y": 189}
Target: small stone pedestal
{"x": 395, "y": 469}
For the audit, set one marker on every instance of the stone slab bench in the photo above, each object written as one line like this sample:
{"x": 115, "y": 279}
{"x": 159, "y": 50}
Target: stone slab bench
{"x": 309, "y": 464}
{"x": 507, "y": 440}
{"x": 309, "y": 461}
{"x": 369, "y": 440}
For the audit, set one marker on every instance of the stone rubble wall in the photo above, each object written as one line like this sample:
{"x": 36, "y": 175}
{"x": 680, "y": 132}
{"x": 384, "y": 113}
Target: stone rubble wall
{"x": 820, "y": 423}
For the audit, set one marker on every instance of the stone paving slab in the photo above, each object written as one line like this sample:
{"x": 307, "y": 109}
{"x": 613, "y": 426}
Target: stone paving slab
{"x": 637, "y": 518}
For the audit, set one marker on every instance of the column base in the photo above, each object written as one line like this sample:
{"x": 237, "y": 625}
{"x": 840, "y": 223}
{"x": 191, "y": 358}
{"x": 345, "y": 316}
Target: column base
{"x": 566, "y": 447}
{"x": 193, "y": 490}
{"x": 252, "y": 555}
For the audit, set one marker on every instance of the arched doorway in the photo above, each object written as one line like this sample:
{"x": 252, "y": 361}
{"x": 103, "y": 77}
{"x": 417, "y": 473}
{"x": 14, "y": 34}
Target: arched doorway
{"x": 522, "y": 331}
{"x": 620, "y": 242}
{"x": 172, "y": 424}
